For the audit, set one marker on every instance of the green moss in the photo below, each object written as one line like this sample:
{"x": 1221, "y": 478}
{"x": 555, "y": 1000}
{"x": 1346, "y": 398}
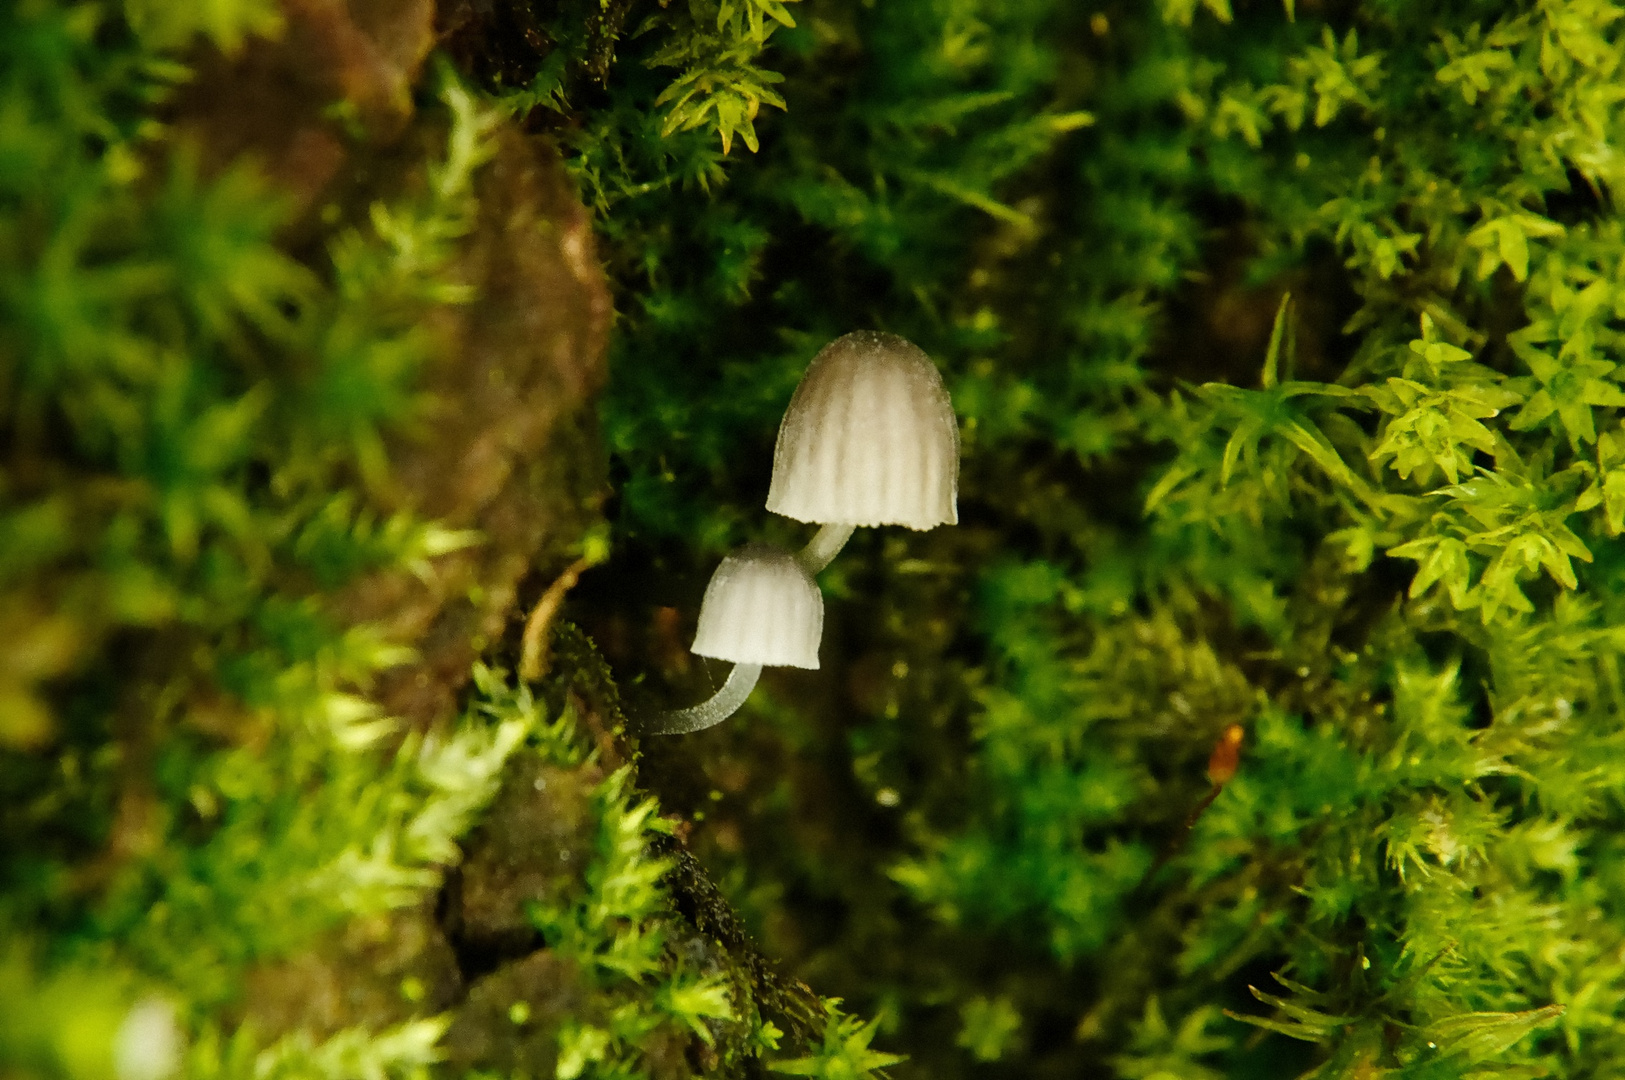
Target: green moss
{"x": 1378, "y": 537}
{"x": 214, "y": 391}
{"x": 1375, "y": 525}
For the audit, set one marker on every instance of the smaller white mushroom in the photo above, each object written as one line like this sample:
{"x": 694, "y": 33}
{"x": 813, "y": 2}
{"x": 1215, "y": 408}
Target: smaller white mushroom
{"x": 762, "y": 608}
{"x": 869, "y": 439}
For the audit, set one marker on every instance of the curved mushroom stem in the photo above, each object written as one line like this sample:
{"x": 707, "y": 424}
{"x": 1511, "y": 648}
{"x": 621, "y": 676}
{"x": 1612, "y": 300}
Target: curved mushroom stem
{"x": 721, "y": 705}
{"x": 823, "y": 548}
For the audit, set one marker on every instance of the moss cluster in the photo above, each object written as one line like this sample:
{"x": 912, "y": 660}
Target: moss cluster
{"x": 298, "y": 335}
{"x": 1370, "y": 524}
{"x": 1283, "y": 338}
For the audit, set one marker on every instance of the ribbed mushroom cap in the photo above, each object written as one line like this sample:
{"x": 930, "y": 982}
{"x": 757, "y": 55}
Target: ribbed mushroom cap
{"x": 761, "y": 607}
{"x": 869, "y": 439}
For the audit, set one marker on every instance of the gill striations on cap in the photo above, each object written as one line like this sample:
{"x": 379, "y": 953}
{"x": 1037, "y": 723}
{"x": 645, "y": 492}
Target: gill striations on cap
{"x": 762, "y": 607}
{"x": 869, "y": 439}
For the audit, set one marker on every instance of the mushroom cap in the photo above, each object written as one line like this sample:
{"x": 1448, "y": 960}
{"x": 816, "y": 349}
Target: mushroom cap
{"x": 869, "y": 439}
{"x": 762, "y": 607}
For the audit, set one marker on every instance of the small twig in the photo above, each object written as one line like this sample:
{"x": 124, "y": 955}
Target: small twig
{"x": 533, "y": 646}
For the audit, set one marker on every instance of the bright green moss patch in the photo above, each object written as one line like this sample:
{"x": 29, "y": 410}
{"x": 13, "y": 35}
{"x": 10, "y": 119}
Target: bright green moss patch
{"x": 275, "y": 465}
{"x": 1372, "y": 525}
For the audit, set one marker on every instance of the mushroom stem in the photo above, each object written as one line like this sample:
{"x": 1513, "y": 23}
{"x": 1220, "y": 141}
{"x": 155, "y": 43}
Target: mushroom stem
{"x": 721, "y": 705}
{"x": 823, "y": 548}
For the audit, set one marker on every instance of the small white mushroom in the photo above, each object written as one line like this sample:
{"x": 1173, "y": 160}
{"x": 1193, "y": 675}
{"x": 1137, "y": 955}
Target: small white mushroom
{"x": 761, "y": 608}
{"x": 869, "y": 439}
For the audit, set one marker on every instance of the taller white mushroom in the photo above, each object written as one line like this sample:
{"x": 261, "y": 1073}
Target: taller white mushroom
{"x": 869, "y": 439}
{"x": 761, "y": 608}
